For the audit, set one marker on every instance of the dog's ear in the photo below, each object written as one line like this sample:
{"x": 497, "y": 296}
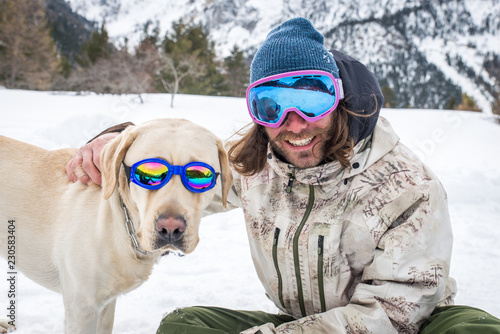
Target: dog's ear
{"x": 227, "y": 175}
{"x": 112, "y": 156}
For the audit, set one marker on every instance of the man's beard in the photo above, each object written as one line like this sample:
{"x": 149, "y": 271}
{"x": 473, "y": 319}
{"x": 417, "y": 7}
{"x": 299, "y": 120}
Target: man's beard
{"x": 286, "y": 135}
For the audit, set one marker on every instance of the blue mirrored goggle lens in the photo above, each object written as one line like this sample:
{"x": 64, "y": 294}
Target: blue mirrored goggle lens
{"x": 313, "y": 95}
{"x": 199, "y": 177}
{"x": 150, "y": 173}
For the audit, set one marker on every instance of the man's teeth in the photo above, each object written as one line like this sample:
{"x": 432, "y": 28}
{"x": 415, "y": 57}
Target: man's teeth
{"x": 300, "y": 142}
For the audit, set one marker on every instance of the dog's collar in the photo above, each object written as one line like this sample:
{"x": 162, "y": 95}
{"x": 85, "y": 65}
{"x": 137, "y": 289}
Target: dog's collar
{"x": 131, "y": 231}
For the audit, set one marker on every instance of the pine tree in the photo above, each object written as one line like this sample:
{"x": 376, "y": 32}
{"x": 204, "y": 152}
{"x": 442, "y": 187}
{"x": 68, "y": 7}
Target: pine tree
{"x": 468, "y": 104}
{"x": 451, "y": 104}
{"x": 111, "y": 70}
{"x": 390, "y": 100}
{"x": 188, "y": 62}
{"x": 97, "y": 47}
{"x": 178, "y": 59}
{"x": 28, "y": 57}
{"x": 237, "y": 72}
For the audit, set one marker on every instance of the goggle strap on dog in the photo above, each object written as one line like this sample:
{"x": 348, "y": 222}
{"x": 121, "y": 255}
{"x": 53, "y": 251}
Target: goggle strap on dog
{"x": 127, "y": 172}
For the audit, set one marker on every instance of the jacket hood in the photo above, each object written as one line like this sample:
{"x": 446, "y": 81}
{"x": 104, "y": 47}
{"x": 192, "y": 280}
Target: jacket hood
{"x": 362, "y": 95}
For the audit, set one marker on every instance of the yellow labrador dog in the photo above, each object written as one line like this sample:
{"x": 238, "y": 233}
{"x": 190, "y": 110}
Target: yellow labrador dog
{"x": 92, "y": 244}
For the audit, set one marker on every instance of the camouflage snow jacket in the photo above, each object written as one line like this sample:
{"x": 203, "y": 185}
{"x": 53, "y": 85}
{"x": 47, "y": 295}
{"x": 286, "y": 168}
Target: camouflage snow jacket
{"x": 359, "y": 250}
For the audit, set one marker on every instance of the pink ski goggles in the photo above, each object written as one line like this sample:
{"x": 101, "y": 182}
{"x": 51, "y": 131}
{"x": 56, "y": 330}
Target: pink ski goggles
{"x": 311, "y": 94}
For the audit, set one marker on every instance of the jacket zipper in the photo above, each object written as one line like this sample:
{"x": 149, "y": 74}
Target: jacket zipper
{"x": 275, "y": 260}
{"x": 320, "y": 273}
{"x": 296, "y": 250}
{"x": 291, "y": 178}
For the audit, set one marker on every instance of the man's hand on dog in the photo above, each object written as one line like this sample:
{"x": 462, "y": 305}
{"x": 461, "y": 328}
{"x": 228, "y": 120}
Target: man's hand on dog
{"x": 86, "y": 165}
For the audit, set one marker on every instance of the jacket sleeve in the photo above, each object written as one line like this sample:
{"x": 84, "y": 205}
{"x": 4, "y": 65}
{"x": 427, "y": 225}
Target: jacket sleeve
{"x": 116, "y": 128}
{"x": 408, "y": 276}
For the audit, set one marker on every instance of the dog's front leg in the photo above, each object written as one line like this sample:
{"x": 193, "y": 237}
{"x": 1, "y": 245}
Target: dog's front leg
{"x": 106, "y": 318}
{"x": 81, "y": 315}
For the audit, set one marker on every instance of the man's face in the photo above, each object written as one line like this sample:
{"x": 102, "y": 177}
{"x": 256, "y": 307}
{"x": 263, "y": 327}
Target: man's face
{"x": 300, "y": 142}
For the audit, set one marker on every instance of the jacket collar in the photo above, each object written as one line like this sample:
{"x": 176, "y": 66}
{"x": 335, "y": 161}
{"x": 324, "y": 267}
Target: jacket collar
{"x": 319, "y": 175}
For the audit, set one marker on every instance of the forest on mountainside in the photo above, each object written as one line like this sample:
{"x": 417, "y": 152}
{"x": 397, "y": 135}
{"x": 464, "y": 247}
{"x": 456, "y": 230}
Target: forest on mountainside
{"x": 45, "y": 45}
{"x": 40, "y": 49}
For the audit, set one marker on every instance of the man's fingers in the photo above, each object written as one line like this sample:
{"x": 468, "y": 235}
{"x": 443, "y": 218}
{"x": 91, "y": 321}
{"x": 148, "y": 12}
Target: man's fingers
{"x": 86, "y": 165}
{"x": 84, "y": 178}
{"x": 72, "y": 165}
{"x": 69, "y": 171}
{"x": 96, "y": 158}
{"x": 89, "y": 167}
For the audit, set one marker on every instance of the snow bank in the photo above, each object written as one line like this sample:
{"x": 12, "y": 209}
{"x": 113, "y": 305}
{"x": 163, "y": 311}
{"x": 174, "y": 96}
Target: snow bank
{"x": 460, "y": 147}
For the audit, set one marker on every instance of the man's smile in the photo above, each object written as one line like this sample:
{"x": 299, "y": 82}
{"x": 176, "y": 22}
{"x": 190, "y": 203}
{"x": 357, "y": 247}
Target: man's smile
{"x": 300, "y": 142}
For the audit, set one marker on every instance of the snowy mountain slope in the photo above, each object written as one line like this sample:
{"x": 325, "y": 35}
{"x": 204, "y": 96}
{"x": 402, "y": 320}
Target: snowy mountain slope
{"x": 460, "y": 147}
{"x": 427, "y": 52}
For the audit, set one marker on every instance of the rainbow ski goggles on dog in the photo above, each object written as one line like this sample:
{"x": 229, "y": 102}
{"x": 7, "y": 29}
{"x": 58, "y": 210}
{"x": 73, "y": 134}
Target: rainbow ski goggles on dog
{"x": 155, "y": 173}
{"x": 311, "y": 94}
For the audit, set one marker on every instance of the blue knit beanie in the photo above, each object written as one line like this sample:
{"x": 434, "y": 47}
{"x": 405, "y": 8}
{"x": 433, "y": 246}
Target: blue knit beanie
{"x": 293, "y": 46}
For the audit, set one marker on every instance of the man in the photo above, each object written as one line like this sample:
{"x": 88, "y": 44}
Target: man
{"x": 349, "y": 231}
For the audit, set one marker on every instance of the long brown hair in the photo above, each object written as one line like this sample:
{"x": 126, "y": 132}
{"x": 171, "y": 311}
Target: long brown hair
{"x": 248, "y": 154}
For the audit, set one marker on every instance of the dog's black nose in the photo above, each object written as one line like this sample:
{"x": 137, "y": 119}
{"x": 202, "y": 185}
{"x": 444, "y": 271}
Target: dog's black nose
{"x": 170, "y": 229}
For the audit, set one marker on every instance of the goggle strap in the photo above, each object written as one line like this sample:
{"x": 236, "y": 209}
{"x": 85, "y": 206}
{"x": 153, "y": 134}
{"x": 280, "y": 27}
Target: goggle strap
{"x": 127, "y": 172}
{"x": 341, "y": 88}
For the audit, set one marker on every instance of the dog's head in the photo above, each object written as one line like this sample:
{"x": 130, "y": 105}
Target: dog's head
{"x": 168, "y": 217}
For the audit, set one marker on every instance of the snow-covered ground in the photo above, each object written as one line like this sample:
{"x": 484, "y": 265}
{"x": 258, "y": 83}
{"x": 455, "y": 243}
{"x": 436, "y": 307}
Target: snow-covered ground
{"x": 460, "y": 147}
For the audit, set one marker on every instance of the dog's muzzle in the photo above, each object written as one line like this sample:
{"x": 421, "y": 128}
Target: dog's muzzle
{"x": 170, "y": 231}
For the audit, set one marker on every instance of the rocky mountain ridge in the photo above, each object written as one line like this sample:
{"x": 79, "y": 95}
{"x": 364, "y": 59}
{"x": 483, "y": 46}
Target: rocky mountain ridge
{"x": 427, "y": 53}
